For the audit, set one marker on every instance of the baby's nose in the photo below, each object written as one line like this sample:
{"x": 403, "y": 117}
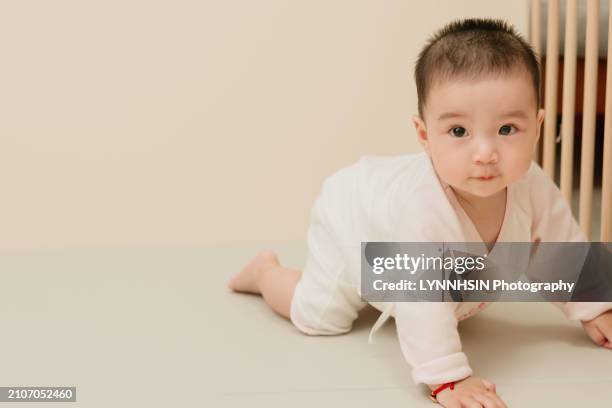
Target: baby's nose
{"x": 485, "y": 152}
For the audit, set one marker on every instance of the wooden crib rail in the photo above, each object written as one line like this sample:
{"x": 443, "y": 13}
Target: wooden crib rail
{"x": 568, "y": 111}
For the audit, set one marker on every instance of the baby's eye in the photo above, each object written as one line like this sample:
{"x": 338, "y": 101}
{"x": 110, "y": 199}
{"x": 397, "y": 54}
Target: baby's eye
{"x": 506, "y": 129}
{"x": 457, "y": 131}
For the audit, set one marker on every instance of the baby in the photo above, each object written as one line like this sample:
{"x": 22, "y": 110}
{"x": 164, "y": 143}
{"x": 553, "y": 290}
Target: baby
{"x": 478, "y": 96}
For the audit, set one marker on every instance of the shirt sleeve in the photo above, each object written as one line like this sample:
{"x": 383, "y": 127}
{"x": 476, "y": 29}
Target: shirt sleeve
{"x": 552, "y": 221}
{"x": 427, "y": 331}
{"x": 430, "y": 342}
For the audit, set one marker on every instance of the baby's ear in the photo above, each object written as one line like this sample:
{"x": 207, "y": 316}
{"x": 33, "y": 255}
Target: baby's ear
{"x": 421, "y": 132}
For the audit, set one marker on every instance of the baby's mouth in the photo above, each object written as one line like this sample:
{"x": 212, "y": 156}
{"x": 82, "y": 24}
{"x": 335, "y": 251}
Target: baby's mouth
{"x": 486, "y": 178}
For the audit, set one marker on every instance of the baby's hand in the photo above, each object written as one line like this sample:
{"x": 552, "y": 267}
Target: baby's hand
{"x": 600, "y": 329}
{"x": 471, "y": 392}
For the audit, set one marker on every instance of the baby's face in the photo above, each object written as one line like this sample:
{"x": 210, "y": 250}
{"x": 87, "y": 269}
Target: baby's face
{"x": 481, "y": 135}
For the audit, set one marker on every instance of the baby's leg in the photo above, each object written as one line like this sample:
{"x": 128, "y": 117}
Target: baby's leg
{"x": 266, "y": 276}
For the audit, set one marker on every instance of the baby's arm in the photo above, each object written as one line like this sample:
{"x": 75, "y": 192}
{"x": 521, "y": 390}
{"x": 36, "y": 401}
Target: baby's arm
{"x": 583, "y": 311}
{"x": 430, "y": 342}
{"x": 552, "y": 221}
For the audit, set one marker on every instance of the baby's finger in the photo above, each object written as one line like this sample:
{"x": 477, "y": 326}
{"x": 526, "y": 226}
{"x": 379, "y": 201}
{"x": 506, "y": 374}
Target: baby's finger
{"x": 497, "y": 399}
{"x": 608, "y": 345}
{"x": 596, "y": 335}
{"x": 470, "y": 403}
{"x": 606, "y": 330}
{"x": 489, "y": 385}
{"x": 486, "y": 401}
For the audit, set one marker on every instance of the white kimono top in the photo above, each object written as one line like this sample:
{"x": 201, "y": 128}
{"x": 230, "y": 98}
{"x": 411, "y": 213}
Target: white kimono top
{"x": 401, "y": 199}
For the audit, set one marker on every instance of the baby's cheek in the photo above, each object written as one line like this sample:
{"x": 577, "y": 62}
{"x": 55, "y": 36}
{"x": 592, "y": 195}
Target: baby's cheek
{"x": 519, "y": 165}
{"x": 448, "y": 171}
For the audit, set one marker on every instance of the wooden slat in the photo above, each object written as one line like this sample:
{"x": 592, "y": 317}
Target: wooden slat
{"x": 606, "y": 183}
{"x": 550, "y": 104}
{"x": 569, "y": 99}
{"x": 534, "y": 40}
{"x": 588, "y": 123}
{"x": 534, "y": 37}
{"x": 601, "y": 86}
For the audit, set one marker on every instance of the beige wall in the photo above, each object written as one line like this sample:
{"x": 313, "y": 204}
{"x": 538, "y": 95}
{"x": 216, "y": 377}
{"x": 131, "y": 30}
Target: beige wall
{"x": 127, "y": 123}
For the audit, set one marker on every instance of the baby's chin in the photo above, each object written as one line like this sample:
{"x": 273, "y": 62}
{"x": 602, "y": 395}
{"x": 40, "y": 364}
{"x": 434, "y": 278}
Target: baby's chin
{"x": 482, "y": 188}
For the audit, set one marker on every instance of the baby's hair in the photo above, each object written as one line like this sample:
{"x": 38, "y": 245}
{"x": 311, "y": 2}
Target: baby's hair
{"x": 472, "y": 48}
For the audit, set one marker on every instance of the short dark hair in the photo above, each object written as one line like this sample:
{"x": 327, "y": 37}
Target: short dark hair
{"x": 470, "y": 48}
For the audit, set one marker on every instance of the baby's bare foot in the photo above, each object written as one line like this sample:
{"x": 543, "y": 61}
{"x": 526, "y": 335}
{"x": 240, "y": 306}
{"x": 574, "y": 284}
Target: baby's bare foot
{"x": 246, "y": 279}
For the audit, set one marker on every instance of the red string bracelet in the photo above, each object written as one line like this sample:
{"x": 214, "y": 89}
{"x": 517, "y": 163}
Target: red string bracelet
{"x": 440, "y": 388}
